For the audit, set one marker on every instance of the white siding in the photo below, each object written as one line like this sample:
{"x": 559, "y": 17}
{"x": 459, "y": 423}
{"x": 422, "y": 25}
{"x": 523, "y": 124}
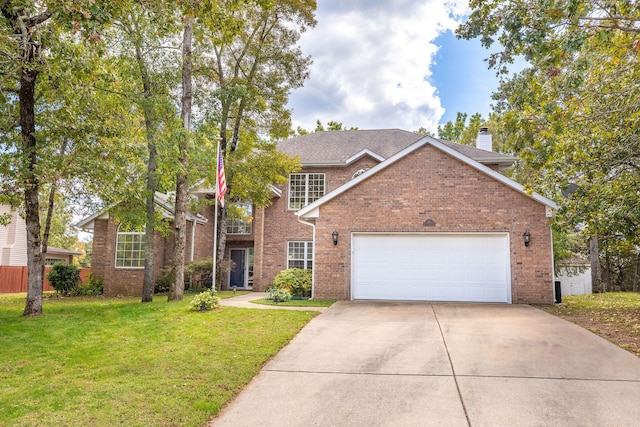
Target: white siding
{"x": 13, "y": 239}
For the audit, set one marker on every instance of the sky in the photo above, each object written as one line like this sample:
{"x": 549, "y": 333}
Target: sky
{"x": 391, "y": 64}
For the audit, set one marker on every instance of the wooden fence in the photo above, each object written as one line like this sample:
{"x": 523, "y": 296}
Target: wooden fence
{"x": 14, "y": 279}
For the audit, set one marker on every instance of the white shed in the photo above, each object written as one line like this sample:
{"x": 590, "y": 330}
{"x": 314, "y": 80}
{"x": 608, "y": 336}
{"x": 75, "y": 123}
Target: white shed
{"x": 575, "y": 279}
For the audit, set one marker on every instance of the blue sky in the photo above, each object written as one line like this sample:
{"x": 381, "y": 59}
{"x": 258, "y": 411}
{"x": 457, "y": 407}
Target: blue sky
{"x": 391, "y": 64}
{"x": 462, "y": 78}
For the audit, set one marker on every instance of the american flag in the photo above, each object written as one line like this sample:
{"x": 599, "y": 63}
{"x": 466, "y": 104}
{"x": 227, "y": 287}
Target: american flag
{"x": 221, "y": 182}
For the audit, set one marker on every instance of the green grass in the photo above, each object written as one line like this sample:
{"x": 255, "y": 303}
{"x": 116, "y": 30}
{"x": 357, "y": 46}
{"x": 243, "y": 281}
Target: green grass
{"x": 115, "y": 361}
{"x": 614, "y": 316}
{"x": 610, "y": 300}
{"x": 296, "y": 303}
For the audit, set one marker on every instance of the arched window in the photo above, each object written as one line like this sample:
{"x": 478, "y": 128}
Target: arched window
{"x": 359, "y": 172}
{"x": 129, "y": 248}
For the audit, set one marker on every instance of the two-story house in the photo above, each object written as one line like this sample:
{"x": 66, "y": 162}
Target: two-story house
{"x": 376, "y": 214}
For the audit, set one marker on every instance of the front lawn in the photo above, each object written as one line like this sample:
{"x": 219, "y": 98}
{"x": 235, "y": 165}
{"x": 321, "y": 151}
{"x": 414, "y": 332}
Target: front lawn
{"x": 115, "y": 361}
{"x": 614, "y": 316}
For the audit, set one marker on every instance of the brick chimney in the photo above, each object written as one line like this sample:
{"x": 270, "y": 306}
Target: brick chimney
{"x": 484, "y": 141}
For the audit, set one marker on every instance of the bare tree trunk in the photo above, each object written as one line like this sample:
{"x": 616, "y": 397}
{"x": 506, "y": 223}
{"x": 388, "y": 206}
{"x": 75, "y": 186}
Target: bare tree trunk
{"x": 176, "y": 292}
{"x": 636, "y": 275}
{"x": 33, "y": 306}
{"x": 148, "y": 280}
{"x": 50, "y": 206}
{"x": 606, "y": 283}
{"x": 149, "y": 263}
{"x": 594, "y": 250}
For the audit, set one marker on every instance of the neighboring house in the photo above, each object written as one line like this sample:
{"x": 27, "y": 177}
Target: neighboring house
{"x": 379, "y": 214}
{"x": 13, "y": 243}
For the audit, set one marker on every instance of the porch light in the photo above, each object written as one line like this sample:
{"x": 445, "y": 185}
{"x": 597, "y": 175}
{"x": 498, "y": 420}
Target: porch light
{"x": 334, "y": 235}
{"x": 527, "y": 238}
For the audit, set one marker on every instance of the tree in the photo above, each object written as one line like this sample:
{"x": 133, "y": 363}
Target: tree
{"x": 461, "y": 132}
{"x": 34, "y": 36}
{"x": 61, "y": 235}
{"x": 573, "y": 115}
{"x": 254, "y": 65}
{"x": 331, "y": 125}
{"x": 176, "y": 289}
{"x": 145, "y": 63}
{"x": 452, "y": 131}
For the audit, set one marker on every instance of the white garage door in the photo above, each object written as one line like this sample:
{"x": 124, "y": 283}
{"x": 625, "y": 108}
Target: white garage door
{"x": 431, "y": 267}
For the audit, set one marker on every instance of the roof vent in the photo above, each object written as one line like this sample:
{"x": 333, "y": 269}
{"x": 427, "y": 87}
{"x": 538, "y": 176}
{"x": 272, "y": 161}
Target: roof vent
{"x": 484, "y": 141}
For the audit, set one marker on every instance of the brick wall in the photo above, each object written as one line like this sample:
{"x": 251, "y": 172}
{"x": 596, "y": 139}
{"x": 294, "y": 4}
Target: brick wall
{"x": 120, "y": 281}
{"x": 429, "y": 184}
{"x": 280, "y": 225}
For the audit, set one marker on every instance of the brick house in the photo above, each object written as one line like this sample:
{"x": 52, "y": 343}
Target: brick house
{"x": 382, "y": 214}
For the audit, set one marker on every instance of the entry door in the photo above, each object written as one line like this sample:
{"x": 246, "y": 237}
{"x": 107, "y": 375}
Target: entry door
{"x": 241, "y": 276}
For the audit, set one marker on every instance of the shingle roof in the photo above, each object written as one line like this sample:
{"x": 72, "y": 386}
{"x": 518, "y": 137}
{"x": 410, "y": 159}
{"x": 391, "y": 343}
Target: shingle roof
{"x": 337, "y": 147}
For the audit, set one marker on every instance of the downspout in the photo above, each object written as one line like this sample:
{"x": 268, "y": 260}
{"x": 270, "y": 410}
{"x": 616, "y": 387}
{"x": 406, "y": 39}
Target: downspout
{"x": 553, "y": 269}
{"x": 313, "y": 271}
{"x": 193, "y": 239}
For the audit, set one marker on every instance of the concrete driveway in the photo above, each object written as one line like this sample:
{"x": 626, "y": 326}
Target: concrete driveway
{"x": 422, "y": 364}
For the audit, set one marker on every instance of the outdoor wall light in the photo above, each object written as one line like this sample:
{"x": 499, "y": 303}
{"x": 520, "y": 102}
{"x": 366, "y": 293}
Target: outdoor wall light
{"x": 334, "y": 235}
{"x": 527, "y": 238}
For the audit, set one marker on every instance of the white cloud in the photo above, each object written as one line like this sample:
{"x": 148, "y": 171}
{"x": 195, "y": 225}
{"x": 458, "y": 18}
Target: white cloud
{"x": 372, "y": 62}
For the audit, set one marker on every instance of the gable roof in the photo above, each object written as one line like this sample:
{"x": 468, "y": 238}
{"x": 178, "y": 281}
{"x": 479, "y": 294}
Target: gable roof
{"x": 162, "y": 201}
{"x": 341, "y": 148}
{"x": 60, "y": 251}
{"x": 312, "y": 210}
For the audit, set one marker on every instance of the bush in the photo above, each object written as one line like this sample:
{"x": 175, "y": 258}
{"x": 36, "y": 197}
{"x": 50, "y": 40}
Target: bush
{"x": 204, "y": 301}
{"x": 94, "y": 287}
{"x": 295, "y": 280}
{"x": 279, "y": 294}
{"x": 64, "y": 278}
{"x": 163, "y": 283}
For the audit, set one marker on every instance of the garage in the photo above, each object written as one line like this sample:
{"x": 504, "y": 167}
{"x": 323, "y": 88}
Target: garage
{"x": 465, "y": 267}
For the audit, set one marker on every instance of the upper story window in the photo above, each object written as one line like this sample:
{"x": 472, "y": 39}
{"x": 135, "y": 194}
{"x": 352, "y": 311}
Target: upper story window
{"x": 129, "y": 248}
{"x": 242, "y": 224}
{"x": 305, "y": 188}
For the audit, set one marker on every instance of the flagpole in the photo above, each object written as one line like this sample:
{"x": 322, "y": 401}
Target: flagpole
{"x": 215, "y": 221}
{"x": 215, "y": 243}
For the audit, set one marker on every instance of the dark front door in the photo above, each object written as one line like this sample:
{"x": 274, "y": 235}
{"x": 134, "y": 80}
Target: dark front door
{"x": 237, "y": 277}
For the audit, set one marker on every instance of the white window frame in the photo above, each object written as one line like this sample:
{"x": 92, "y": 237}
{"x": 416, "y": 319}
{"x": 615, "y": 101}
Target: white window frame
{"x": 304, "y": 200}
{"x": 242, "y": 226}
{"x": 132, "y": 257}
{"x": 307, "y": 254}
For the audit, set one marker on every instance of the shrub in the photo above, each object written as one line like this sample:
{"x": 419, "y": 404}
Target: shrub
{"x": 64, "y": 278}
{"x": 279, "y": 294}
{"x": 94, "y": 287}
{"x": 204, "y": 301}
{"x": 296, "y": 280}
{"x": 163, "y": 283}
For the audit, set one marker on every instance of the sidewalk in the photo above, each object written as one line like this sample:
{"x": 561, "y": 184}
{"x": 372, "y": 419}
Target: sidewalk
{"x": 242, "y": 301}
